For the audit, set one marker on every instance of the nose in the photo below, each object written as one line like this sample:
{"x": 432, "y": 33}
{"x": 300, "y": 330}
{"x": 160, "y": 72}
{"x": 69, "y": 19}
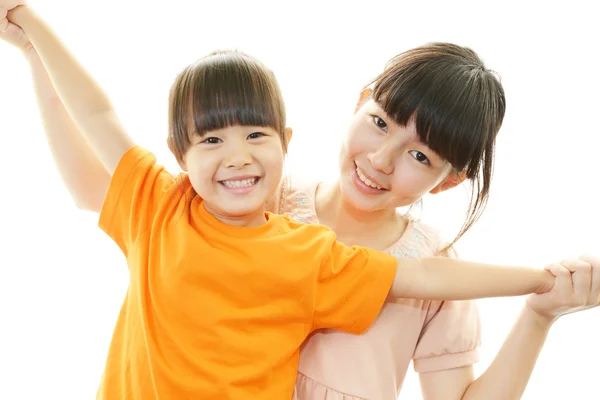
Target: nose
{"x": 238, "y": 157}
{"x": 382, "y": 159}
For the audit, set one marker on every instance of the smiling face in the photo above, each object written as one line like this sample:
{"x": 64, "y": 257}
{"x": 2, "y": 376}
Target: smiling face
{"x": 429, "y": 122}
{"x": 235, "y": 170}
{"x": 227, "y": 130}
{"x": 384, "y": 165}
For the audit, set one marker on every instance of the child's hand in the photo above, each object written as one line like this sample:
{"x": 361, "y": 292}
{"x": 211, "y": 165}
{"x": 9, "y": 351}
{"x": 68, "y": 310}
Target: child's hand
{"x": 14, "y": 34}
{"x": 576, "y": 288}
{"x": 5, "y": 7}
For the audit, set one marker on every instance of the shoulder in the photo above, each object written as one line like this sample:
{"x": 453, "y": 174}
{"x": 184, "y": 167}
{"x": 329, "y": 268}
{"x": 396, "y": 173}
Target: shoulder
{"x": 295, "y": 197}
{"x": 421, "y": 240}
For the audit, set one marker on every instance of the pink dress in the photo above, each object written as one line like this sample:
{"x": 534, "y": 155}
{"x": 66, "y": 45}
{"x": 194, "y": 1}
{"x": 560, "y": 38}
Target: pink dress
{"x": 434, "y": 335}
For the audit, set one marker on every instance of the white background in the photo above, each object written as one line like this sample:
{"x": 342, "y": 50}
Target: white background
{"x": 62, "y": 280}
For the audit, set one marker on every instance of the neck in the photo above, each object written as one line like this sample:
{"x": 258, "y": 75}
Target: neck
{"x": 353, "y": 226}
{"x": 256, "y": 218}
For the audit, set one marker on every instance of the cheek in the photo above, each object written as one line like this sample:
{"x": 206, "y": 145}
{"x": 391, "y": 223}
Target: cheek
{"x": 276, "y": 167}
{"x": 202, "y": 168}
{"x": 358, "y": 141}
{"x": 410, "y": 180}
{"x": 272, "y": 161}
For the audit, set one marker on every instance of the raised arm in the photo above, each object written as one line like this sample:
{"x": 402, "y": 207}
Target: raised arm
{"x": 442, "y": 278}
{"x": 82, "y": 173}
{"x": 85, "y": 102}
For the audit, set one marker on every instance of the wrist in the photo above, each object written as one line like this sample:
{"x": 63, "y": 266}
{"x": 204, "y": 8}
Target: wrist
{"x": 30, "y": 54}
{"x": 543, "y": 322}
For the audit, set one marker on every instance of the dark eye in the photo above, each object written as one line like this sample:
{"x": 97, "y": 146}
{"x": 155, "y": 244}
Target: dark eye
{"x": 212, "y": 140}
{"x": 420, "y": 157}
{"x": 380, "y": 123}
{"x": 256, "y": 135}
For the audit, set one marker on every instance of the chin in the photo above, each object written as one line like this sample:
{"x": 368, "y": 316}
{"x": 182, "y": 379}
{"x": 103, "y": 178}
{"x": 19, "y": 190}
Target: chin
{"x": 243, "y": 210}
{"x": 352, "y": 197}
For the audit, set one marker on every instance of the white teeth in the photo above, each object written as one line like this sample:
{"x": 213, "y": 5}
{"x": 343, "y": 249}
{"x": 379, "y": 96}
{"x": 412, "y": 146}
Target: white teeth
{"x": 240, "y": 184}
{"x": 365, "y": 180}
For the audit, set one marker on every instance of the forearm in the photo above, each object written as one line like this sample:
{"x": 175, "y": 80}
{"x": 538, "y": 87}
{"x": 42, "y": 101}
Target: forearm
{"x": 81, "y": 171}
{"x": 442, "y": 278}
{"x": 508, "y": 375}
{"x": 87, "y": 104}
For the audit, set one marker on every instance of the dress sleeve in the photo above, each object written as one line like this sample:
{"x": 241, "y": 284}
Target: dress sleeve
{"x": 451, "y": 336}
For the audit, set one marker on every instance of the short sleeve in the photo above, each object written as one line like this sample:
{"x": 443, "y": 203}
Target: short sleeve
{"x": 451, "y": 336}
{"x": 133, "y": 195}
{"x": 353, "y": 284}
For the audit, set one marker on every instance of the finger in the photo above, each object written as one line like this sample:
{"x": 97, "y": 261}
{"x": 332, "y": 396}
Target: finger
{"x": 3, "y": 19}
{"x": 595, "y": 290}
{"x": 582, "y": 281}
{"x": 563, "y": 283}
{"x": 548, "y": 267}
{"x": 9, "y": 5}
{"x": 573, "y": 265}
{"x": 594, "y": 260}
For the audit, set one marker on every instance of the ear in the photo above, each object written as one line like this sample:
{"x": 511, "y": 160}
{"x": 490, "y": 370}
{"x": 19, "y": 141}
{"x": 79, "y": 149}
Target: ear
{"x": 287, "y": 134}
{"x": 452, "y": 180}
{"x": 173, "y": 148}
{"x": 364, "y": 96}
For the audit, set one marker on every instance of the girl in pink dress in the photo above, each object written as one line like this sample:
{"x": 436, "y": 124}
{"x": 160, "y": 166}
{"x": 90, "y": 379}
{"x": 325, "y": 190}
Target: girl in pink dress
{"x": 425, "y": 125}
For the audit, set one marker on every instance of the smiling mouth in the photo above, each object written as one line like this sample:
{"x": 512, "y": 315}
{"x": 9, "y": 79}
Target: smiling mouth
{"x": 366, "y": 180}
{"x": 240, "y": 183}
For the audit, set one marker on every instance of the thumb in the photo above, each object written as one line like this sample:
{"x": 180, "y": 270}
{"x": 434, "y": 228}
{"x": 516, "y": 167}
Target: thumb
{"x": 564, "y": 282}
{"x": 10, "y": 4}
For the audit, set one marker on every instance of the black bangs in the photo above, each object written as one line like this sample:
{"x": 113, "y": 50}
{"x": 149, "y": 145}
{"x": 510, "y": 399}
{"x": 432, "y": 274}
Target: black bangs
{"x": 233, "y": 93}
{"x": 222, "y": 90}
{"x": 457, "y": 107}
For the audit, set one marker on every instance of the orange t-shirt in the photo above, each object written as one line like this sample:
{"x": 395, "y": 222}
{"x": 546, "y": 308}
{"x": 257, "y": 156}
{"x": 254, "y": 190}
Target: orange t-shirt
{"x": 215, "y": 311}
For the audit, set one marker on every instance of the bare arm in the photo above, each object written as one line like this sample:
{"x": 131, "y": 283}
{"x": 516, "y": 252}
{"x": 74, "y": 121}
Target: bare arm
{"x": 509, "y": 373}
{"x": 442, "y": 278}
{"x": 82, "y": 173}
{"x": 85, "y": 102}
{"x": 507, "y": 376}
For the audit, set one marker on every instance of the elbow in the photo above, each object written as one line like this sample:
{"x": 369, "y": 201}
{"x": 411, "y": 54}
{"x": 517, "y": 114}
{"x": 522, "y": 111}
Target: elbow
{"x": 88, "y": 204}
{"x": 85, "y": 206}
{"x": 476, "y": 391}
{"x": 91, "y": 197}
